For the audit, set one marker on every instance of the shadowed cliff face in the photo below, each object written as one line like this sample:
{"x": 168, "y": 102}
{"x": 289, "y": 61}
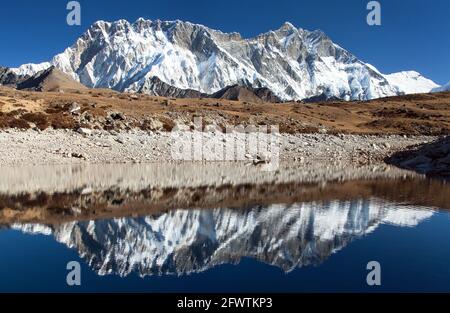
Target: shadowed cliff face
{"x": 180, "y": 242}
{"x": 9, "y": 78}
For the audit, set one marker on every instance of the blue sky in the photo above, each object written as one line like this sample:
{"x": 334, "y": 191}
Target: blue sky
{"x": 415, "y": 34}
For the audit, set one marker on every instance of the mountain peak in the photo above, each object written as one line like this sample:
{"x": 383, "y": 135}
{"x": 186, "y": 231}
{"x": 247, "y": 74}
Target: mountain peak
{"x": 142, "y": 20}
{"x": 293, "y": 63}
{"x": 409, "y": 82}
{"x": 284, "y": 30}
{"x": 100, "y": 24}
{"x": 288, "y": 26}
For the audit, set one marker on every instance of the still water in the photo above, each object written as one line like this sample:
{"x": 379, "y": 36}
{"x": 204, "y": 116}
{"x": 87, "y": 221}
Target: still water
{"x": 167, "y": 230}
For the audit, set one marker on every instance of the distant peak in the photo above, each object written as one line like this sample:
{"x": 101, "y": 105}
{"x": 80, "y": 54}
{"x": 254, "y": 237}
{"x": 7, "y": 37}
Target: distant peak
{"x": 287, "y": 25}
{"x": 121, "y": 21}
{"x": 286, "y": 28}
{"x": 411, "y": 74}
{"x": 141, "y": 23}
{"x": 141, "y": 20}
{"x": 100, "y": 24}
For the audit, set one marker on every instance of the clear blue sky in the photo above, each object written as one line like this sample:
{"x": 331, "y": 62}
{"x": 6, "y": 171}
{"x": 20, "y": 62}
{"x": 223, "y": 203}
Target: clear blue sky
{"x": 415, "y": 34}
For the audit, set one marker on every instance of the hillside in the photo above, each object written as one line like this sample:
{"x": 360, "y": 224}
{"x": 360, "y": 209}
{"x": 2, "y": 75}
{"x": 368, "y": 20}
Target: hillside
{"x": 427, "y": 114}
{"x": 50, "y": 79}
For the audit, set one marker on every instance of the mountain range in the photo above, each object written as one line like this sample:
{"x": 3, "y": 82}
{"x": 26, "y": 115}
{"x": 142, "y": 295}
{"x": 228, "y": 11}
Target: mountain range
{"x": 180, "y": 242}
{"x": 185, "y": 59}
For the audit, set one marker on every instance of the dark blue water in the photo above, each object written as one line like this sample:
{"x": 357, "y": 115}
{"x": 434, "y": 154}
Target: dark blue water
{"x": 413, "y": 258}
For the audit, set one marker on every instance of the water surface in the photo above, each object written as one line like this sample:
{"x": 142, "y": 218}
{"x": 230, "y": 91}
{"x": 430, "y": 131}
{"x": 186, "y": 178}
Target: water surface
{"x": 287, "y": 234}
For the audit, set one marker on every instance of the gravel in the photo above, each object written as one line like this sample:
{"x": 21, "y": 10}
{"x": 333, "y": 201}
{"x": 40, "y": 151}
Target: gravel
{"x": 30, "y": 147}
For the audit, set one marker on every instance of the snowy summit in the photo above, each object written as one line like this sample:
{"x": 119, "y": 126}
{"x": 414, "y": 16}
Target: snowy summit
{"x": 292, "y": 62}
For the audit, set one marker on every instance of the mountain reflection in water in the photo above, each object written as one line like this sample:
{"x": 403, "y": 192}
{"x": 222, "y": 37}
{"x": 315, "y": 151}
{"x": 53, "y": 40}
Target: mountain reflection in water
{"x": 176, "y": 222}
{"x": 184, "y": 241}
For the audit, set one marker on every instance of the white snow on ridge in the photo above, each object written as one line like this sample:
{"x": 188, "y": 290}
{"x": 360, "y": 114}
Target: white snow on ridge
{"x": 294, "y": 63}
{"x": 410, "y": 82}
{"x": 30, "y": 69}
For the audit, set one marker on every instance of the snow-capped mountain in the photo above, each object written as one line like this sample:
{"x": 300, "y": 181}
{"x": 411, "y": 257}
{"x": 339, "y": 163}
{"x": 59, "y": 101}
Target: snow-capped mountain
{"x": 443, "y": 88}
{"x": 292, "y": 62}
{"x": 30, "y": 69}
{"x": 10, "y": 78}
{"x": 185, "y": 241}
{"x": 410, "y": 82}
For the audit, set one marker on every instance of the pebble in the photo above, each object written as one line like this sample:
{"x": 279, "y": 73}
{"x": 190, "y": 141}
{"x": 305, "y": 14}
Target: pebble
{"x": 74, "y": 108}
{"x": 84, "y": 131}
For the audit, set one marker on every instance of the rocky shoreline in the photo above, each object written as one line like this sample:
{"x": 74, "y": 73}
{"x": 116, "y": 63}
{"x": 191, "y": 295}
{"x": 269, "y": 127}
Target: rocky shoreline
{"x": 55, "y": 194}
{"x": 33, "y": 147}
{"x": 431, "y": 159}
{"x": 103, "y": 126}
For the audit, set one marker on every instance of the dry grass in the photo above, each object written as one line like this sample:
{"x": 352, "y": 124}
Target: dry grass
{"x": 39, "y": 119}
{"x": 413, "y": 114}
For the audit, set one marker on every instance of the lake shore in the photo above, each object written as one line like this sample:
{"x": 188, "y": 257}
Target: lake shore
{"x": 431, "y": 159}
{"x": 32, "y": 147}
{"x": 56, "y": 194}
{"x": 103, "y": 126}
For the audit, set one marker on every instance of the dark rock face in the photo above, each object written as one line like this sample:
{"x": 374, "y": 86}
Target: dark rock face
{"x": 160, "y": 88}
{"x": 266, "y": 95}
{"x": 432, "y": 159}
{"x": 245, "y": 93}
{"x": 321, "y": 98}
{"x": 157, "y": 87}
{"x": 237, "y": 93}
{"x": 34, "y": 81}
{"x": 9, "y": 78}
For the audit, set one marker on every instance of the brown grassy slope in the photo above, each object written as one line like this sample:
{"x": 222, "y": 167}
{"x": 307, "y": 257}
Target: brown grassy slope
{"x": 51, "y": 79}
{"x": 413, "y": 114}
